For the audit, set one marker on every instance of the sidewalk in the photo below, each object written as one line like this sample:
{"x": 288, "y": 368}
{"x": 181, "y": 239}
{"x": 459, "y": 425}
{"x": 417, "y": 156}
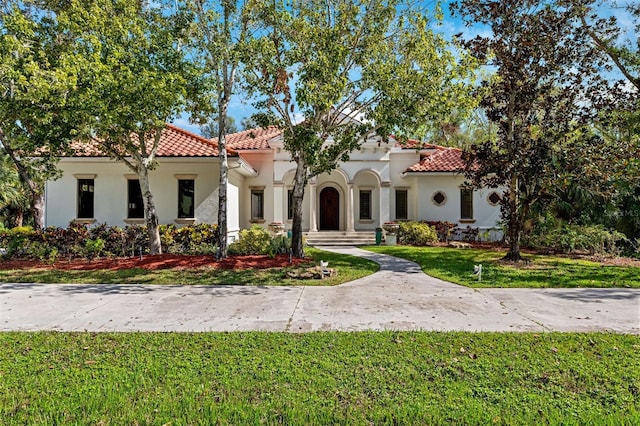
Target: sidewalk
{"x": 398, "y": 297}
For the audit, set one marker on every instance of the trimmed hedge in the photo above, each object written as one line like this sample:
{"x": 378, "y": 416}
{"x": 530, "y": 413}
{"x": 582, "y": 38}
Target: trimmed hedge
{"x": 81, "y": 241}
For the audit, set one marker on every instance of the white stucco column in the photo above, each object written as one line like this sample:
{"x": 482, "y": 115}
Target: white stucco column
{"x": 313, "y": 223}
{"x": 350, "y": 209}
{"x": 278, "y": 202}
{"x": 385, "y": 202}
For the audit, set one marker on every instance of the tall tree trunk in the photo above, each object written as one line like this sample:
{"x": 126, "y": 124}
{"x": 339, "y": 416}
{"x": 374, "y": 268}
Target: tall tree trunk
{"x": 514, "y": 222}
{"x": 299, "y": 182}
{"x": 18, "y": 217}
{"x": 223, "y": 182}
{"x": 37, "y": 209}
{"x": 150, "y": 213}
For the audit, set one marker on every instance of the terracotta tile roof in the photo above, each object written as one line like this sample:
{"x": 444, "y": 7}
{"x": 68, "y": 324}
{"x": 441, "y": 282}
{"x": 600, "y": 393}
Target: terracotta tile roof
{"x": 442, "y": 160}
{"x": 174, "y": 142}
{"x": 177, "y": 142}
{"x": 252, "y": 139}
{"x": 414, "y": 144}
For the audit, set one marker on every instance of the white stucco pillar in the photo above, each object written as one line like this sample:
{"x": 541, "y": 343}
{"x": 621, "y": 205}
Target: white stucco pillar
{"x": 278, "y": 202}
{"x": 385, "y": 202}
{"x": 350, "y": 209}
{"x": 313, "y": 223}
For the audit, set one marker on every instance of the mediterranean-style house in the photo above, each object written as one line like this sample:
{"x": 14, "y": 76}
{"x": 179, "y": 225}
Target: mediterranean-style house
{"x": 382, "y": 182}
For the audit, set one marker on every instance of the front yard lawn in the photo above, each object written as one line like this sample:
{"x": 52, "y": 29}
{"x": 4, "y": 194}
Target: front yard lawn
{"x": 456, "y": 266}
{"x": 319, "y": 378}
{"x": 348, "y": 268}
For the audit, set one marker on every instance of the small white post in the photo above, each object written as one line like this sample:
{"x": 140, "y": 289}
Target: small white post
{"x": 477, "y": 270}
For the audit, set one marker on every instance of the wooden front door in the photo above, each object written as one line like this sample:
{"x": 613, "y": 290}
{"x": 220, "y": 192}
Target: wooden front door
{"x": 329, "y": 209}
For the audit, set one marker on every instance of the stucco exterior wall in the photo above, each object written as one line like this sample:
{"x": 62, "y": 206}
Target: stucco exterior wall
{"x": 110, "y": 196}
{"x": 485, "y": 215}
{"x": 379, "y": 170}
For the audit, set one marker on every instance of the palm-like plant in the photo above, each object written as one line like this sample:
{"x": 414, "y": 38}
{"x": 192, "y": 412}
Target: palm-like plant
{"x": 13, "y": 198}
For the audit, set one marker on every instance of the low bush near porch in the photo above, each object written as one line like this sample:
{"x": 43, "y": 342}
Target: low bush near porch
{"x": 319, "y": 378}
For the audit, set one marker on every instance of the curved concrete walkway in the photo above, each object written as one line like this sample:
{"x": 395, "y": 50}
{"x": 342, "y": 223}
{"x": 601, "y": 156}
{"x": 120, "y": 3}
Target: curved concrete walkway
{"x": 398, "y": 297}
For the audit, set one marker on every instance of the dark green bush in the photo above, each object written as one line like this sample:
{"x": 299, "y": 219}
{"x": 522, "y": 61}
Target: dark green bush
{"x": 565, "y": 238}
{"x": 280, "y": 244}
{"x": 416, "y": 234}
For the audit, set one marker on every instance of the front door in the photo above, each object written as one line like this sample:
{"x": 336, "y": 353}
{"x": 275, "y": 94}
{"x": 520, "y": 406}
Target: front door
{"x": 329, "y": 209}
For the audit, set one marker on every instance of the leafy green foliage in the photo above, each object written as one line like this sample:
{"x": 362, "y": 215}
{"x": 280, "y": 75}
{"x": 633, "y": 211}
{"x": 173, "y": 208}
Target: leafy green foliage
{"x": 93, "y": 248}
{"x": 444, "y": 230}
{"x": 565, "y": 238}
{"x": 416, "y": 234}
{"x": 255, "y": 240}
{"x": 543, "y": 62}
{"x": 79, "y": 240}
{"x": 39, "y": 95}
{"x": 352, "y": 69}
{"x": 348, "y": 378}
{"x": 192, "y": 239}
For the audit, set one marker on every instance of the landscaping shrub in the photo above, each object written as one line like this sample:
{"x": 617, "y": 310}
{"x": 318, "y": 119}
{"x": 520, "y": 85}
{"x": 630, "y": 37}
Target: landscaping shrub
{"x": 280, "y": 244}
{"x": 192, "y": 239}
{"x": 255, "y": 240}
{"x": 416, "y": 234}
{"x": 444, "y": 229}
{"x": 565, "y": 238}
{"x": 113, "y": 238}
{"x": 93, "y": 248}
{"x": 80, "y": 241}
{"x": 16, "y": 240}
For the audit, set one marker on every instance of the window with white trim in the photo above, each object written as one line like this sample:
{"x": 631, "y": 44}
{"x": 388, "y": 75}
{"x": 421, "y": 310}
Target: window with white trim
{"x": 466, "y": 203}
{"x": 186, "y": 198}
{"x": 257, "y": 204}
{"x": 135, "y": 205}
{"x": 85, "y": 199}
{"x": 365, "y": 204}
{"x": 402, "y": 204}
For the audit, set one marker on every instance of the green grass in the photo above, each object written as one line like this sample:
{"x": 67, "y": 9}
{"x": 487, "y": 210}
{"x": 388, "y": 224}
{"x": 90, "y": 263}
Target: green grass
{"x": 349, "y": 268}
{"x": 319, "y": 378}
{"x": 456, "y": 265}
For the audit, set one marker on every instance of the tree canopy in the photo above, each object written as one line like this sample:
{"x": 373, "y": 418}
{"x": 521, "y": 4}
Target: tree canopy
{"x": 39, "y": 90}
{"x": 542, "y": 67}
{"x": 332, "y": 73}
{"x": 139, "y": 78}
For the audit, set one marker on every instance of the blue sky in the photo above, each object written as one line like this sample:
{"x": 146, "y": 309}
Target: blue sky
{"x": 240, "y": 107}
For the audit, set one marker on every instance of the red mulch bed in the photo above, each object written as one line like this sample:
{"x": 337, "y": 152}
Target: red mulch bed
{"x": 160, "y": 261}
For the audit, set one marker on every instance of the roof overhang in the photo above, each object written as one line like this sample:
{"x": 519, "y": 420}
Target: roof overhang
{"x": 242, "y": 167}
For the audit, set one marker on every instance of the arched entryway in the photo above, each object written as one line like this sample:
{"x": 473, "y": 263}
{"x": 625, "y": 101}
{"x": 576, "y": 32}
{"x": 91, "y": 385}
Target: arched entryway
{"x": 329, "y": 209}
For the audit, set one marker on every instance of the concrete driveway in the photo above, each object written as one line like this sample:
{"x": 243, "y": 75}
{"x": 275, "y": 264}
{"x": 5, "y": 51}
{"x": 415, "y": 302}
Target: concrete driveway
{"x": 398, "y": 297}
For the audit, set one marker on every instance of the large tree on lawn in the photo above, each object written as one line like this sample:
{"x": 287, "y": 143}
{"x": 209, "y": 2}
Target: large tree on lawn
{"x": 541, "y": 63}
{"x": 140, "y": 80}
{"x": 332, "y": 73}
{"x": 618, "y": 106}
{"x": 221, "y": 31}
{"x": 38, "y": 95}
